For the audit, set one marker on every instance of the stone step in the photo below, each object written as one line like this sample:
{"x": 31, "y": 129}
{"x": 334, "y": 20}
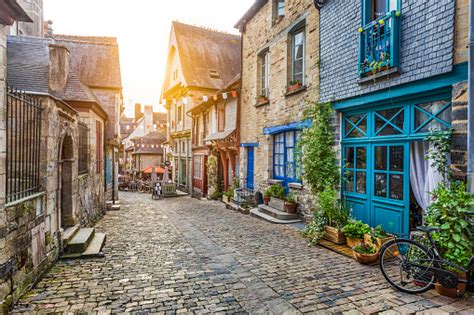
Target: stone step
{"x": 277, "y": 213}
{"x": 93, "y": 250}
{"x": 80, "y": 241}
{"x": 69, "y": 233}
{"x": 256, "y": 213}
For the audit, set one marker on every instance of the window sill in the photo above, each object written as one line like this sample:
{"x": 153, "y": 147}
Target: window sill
{"x": 301, "y": 89}
{"x": 298, "y": 186}
{"x": 383, "y": 74}
{"x": 274, "y": 181}
{"x": 263, "y": 103}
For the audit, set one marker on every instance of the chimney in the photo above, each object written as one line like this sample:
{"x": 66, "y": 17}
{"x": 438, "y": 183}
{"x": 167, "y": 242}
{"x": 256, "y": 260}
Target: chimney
{"x": 48, "y": 29}
{"x": 138, "y": 111}
{"x": 149, "y": 117}
{"x": 58, "y": 67}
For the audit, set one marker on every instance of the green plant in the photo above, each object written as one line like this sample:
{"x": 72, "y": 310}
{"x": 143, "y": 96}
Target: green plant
{"x": 216, "y": 195}
{"x": 294, "y": 82}
{"x": 364, "y": 248}
{"x": 315, "y": 149}
{"x": 277, "y": 191}
{"x": 315, "y": 230}
{"x": 440, "y": 147}
{"x": 448, "y": 212}
{"x": 267, "y": 193}
{"x": 229, "y": 193}
{"x": 378, "y": 232}
{"x": 336, "y": 215}
{"x": 355, "y": 229}
{"x": 290, "y": 198}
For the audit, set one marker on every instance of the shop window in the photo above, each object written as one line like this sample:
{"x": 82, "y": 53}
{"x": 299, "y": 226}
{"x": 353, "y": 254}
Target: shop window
{"x": 432, "y": 116}
{"x": 355, "y": 126}
{"x": 355, "y": 169}
{"x": 390, "y": 121}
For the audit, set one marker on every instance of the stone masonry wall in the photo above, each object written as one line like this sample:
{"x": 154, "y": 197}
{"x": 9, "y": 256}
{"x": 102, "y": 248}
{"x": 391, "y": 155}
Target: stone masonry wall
{"x": 262, "y": 33}
{"x": 459, "y": 123}
{"x": 427, "y": 45}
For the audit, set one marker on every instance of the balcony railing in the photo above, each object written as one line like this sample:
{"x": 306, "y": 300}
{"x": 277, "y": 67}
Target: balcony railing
{"x": 379, "y": 44}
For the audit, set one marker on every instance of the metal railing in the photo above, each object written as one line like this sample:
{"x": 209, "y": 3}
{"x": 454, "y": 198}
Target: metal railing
{"x": 379, "y": 44}
{"x": 23, "y": 129}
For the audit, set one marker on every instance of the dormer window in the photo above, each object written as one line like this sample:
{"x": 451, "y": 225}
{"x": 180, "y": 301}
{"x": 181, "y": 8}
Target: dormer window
{"x": 214, "y": 74}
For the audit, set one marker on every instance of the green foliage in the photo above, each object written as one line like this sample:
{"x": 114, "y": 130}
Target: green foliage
{"x": 332, "y": 208}
{"x": 276, "y": 191}
{"x": 216, "y": 195}
{"x": 355, "y": 229}
{"x": 440, "y": 147}
{"x": 295, "y": 82}
{"x": 364, "y": 248}
{"x": 315, "y": 149}
{"x": 290, "y": 198}
{"x": 315, "y": 230}
{"x": 229, "y": 193}
{"x": 448, "y": 212}
{"x": 378, "y": 232}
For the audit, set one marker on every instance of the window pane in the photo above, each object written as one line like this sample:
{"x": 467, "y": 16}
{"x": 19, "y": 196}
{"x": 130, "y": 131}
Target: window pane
{"x": 281, "y": 7}
{"x": 379, "y": 8}
{"x": 298, "y": 67}
{"x": 349, "y": 181}
{"x": 396, "y": 158}
{"x": 380, "y": 158}
{"x": 289, "y": 139}
{"x": 361, "y": 158}
{"x": 389, "y": 121}
{"x": 299, "y": 52}
{"x": 380, "y": 185}
{"x": 298, "y": 39}
{"x": 298, "y": 77}
{"x": 357, "y": 120}
{"x": 361, "y": 182}
{"x": 396, "y": 186}
{"x": 349, "y": 156}
{"x": 432, "y": 108}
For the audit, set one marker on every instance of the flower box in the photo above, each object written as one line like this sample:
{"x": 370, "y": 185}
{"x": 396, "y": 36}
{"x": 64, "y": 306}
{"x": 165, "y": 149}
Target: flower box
{"x": 276, "y": 203}
{"x": 294, "y": 87}
{"x": 262, "y": 99}
{"x": 334, "y": 235}
{"x": 351, "y": 242}
{"x": 376, "y": 242}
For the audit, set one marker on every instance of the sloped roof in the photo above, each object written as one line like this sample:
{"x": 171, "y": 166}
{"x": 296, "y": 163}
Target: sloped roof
{"x": 28, "y": 70}
{"x": 256, "y": 6}
{"x": 201, "y": 50}
{"x": 95, "y": 60}
{"x": 28, "y": 63}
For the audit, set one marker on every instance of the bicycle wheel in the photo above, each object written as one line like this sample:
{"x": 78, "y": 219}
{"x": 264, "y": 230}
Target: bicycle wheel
{"x": 405, "y": 264}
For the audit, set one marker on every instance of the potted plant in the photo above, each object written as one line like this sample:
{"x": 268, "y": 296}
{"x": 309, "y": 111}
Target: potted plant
{"x": 354, "y": 231}
{"x": 294, "y": 86}
{"x": 266, "y": 197}
{"x": 277, "y": 197}
{"x": 228, "y": 194}
{"x": 365, "y": 253}
{"x": 290, "y": 203}
{"x": 262, "y": 99}
{"x": 377, "y": 237}
{"x": 335, "y": 214}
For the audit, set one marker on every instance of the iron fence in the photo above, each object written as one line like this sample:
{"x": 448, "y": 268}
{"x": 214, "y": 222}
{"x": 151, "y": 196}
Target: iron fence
{"x": 23, "y": 128}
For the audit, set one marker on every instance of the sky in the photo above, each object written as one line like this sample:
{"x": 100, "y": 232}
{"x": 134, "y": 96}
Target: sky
{"x": 142, "y": 28}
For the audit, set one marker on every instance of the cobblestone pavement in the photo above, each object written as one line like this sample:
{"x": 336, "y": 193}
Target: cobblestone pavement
{"x": 184, "y": 255}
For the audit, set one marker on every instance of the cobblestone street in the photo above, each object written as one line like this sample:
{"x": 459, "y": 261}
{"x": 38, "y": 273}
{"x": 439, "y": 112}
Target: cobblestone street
{"x": 184, "y": 255}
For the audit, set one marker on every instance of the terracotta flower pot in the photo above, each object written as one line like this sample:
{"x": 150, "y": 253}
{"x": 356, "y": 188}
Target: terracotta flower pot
{"x": 453, "y": 292}
{"x": 294, "y": 87}
{"x": 334, "y": 235}
{"x": 351, "y": 242}
{"x": 266, "y": 200}
{"x": 290, "y": 207}
{"x": 365, "y": 259}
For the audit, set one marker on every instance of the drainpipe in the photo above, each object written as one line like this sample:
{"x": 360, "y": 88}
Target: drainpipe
{"x": 470, "y": 108}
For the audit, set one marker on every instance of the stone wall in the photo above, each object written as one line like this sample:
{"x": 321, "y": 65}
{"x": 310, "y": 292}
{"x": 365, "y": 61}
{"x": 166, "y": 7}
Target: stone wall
{"x": 459, "y": 123}
{"x": 259, "y": 34}
{"x": 427, "y": 45}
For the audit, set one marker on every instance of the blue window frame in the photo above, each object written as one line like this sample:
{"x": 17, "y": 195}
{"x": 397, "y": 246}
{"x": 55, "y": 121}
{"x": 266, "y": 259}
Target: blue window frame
{"x": 285, "y": 163}
{"x": 379, "y": 41}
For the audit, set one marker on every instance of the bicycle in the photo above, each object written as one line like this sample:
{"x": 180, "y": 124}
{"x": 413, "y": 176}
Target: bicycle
{"x": 412, "y": 267}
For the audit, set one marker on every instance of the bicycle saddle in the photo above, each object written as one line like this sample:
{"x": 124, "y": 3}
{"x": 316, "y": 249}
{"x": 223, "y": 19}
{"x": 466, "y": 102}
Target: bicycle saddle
{"x": 428, "y": 229}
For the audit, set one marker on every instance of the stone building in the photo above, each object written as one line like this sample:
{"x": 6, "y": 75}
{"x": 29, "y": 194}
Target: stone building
{"x": 55, "y": 176}
{"x": 200, "y": 62}
{"x": 35, "y": 28}
{"x": 215, "y": 141}
{"x": 280, "y": 78}
{"x": 10, "y": 11}
{"x": 88, "y": 54}
{"x": 393, "y": 70}
{"x": 148, "y": 151}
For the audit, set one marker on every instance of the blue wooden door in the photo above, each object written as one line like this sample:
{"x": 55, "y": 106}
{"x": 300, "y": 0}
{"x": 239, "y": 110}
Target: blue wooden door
{"x": 250, "y": 167}
{"x": 390, "y": 186}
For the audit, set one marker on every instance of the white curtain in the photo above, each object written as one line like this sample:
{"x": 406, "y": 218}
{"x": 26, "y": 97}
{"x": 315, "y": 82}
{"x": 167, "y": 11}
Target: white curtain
{"x": 423, "y": 177}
